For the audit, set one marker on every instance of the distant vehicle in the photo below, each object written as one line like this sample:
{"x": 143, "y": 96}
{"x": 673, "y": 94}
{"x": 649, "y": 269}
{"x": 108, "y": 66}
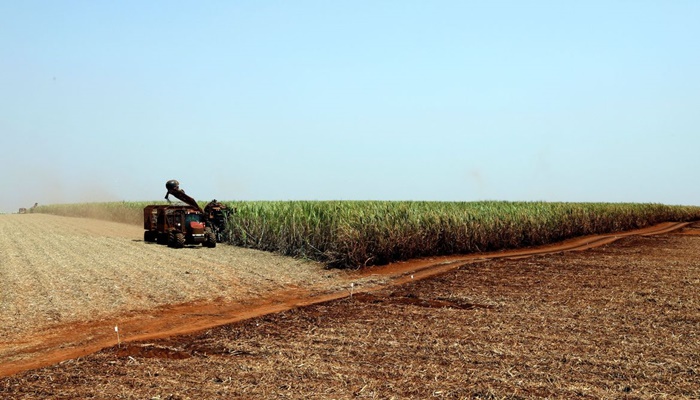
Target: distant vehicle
{"x": 23, "y": 210}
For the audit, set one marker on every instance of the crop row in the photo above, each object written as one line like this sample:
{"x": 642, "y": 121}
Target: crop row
{"x": 360, "y": 233}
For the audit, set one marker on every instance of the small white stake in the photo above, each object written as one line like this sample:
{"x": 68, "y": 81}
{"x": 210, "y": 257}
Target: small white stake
{"x": 116, "y": 329}
{"x": 352, "y": 286}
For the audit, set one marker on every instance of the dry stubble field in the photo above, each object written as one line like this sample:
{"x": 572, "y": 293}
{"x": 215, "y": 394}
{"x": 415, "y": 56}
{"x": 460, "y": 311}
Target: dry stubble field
{"x": 56, "y": 271}
{"x": 619, "y": 321}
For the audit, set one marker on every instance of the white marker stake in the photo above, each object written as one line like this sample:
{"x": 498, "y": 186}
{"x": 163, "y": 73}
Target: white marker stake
{"x": 352, "y": 286}
{"x": 116, "y": 329}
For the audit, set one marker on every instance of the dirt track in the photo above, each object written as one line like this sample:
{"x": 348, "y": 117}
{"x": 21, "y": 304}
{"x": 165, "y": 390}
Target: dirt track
{"x": 90, "y": 337}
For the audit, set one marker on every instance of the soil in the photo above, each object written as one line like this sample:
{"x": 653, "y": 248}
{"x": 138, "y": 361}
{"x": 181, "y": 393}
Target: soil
{"x": 614, "y": 321}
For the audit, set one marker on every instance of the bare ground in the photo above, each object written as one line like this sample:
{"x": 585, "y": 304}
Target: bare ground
{"x": 618, "y": 321}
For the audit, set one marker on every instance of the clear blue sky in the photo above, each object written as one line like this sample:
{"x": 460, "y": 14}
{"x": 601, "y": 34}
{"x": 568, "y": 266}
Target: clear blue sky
{"x": 317, "y": 100}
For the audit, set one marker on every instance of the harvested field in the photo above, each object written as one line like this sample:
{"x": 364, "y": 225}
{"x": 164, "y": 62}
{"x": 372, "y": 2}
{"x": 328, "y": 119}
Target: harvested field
{"x": 618, "y": 321}
{"x": 58, "y": 271}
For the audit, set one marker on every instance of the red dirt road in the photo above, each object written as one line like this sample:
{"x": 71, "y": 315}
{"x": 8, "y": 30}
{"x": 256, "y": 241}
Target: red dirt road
{"x": 73, "y": 340}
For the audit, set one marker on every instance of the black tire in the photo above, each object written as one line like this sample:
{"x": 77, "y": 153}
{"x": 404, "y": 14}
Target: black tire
{"x": 149, "y": 236}
{"x": 179, "y": 240}
{"x": 162, "y": 238}
{"x": 211, "y": 238}
{"x": 176, "y": 240}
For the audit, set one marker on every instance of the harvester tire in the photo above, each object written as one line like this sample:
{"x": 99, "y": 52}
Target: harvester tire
{"x": 176, "y": 240}
{"x": 171, "y": 239}
{"x": 179, "y": 240}
{"x": 149, "y": 236}
{"x": 211, "y": 238}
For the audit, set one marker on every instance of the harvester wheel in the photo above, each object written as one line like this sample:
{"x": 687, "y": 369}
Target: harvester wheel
{"x": 211, "y": 238}
{"x": 149, "y": 236}
{"x": 179, "y": 240}
{"x": 171, "y": 239}
{"x": 176, "y": 240}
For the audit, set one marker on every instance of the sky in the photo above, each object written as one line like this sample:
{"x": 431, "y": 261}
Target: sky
{"x": 595, "y": 101}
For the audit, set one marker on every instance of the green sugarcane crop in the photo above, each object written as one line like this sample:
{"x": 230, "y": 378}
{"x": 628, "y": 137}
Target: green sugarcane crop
{"x": 359, "y": 233}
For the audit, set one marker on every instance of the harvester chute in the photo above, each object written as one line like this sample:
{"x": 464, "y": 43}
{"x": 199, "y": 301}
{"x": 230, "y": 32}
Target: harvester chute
{"x": 173, "y": 187}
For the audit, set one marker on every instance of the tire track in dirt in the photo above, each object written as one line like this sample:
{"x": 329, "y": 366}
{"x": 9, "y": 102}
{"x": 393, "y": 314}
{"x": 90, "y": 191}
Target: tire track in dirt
{"x": 71, "y": 340}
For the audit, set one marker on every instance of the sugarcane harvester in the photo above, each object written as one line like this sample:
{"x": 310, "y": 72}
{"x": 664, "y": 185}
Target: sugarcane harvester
{"x": 178, "y": 225}
{"x": 218, "y": 216}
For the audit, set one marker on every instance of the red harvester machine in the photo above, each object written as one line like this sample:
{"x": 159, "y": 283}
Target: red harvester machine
{"x": 177, "y": 225}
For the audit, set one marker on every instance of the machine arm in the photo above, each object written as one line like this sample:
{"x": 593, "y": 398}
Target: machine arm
{"x": 173, "y": 187}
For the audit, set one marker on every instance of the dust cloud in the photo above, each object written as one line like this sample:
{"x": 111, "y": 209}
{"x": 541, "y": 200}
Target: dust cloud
{"x": 47, "y": 187}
